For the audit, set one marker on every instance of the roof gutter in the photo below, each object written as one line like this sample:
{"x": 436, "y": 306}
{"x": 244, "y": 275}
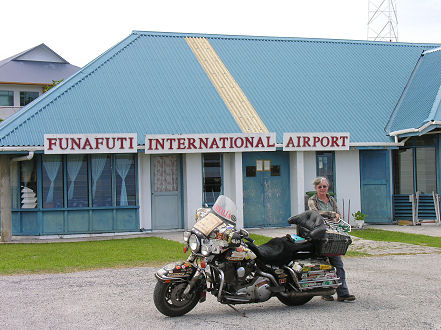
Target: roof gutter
{"x": 28, "y": 149}
{"x": 414, "y": 130}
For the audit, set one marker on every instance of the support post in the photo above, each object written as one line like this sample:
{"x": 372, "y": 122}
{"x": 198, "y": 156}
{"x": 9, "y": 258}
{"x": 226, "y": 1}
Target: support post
{"x": 5, "y": 195}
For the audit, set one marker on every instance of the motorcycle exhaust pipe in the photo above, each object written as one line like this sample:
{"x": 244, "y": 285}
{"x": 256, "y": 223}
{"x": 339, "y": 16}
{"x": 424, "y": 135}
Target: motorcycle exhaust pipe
{"x": 312, "y": 293}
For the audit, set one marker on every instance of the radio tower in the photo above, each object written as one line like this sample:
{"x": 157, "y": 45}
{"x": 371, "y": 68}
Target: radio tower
{"x": 382, "y": 20}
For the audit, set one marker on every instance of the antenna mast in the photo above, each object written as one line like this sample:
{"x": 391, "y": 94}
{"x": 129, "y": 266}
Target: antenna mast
{"x": 382, "y": 20}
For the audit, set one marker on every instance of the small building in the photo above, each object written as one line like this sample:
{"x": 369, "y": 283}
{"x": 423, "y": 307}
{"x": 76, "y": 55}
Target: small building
{"x": 163, "y": 123}
{"x": 24, "y": 76}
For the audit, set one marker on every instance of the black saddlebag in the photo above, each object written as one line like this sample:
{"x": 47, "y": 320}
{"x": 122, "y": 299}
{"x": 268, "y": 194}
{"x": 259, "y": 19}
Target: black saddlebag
{"x": 310, "y": 225}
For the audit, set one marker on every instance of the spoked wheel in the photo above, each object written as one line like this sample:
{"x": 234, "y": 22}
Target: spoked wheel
{"x": 170, "y": 300}
{"x": 294, "y": 301}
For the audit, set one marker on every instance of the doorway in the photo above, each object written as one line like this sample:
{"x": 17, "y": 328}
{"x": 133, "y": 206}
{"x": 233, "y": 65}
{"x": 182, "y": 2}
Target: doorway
{"x": 266, "y": 189}
{"x": 166, "y": 192}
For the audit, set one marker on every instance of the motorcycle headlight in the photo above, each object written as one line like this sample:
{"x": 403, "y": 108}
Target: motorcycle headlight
{"x": 186, "y": 236}
{"x": 194, "y": 243}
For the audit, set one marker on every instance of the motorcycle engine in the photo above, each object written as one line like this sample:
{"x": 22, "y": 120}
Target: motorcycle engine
{"x": 241, "y": 282}
{"x": 258, "y": 291}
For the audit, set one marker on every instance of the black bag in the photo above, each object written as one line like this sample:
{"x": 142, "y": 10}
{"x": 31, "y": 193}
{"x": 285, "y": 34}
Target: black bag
{"x": 281, "y": 250}
{"x": 310, "y": 225}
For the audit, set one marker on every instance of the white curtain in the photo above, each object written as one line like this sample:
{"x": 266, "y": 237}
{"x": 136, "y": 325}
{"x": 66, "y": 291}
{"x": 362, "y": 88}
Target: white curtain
{"x": 123, "y": 164}
{"x": 165, "y": 173}
{"x": 98, "y": 163}
{"x": 74, "y": 163}
{"x": 51, "y": 164}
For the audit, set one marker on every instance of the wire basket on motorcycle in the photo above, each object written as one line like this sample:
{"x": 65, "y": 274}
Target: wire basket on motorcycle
{"x": 332, "y": 222}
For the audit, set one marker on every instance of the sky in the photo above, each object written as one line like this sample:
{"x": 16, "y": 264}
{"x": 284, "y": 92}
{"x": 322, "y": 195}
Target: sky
{"x": 80, "y": 30}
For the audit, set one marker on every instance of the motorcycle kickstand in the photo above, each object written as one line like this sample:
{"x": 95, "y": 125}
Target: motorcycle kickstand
{"x": 235, "y": 309}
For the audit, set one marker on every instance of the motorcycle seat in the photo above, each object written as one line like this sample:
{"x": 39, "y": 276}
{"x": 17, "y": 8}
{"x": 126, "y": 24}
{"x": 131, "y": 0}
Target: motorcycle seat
{"x": 281, "y": 250}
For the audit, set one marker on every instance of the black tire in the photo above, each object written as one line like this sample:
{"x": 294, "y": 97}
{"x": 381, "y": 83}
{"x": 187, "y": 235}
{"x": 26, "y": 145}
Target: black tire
{"x": 294, "y": 301}
{"x": 169, "y": 301}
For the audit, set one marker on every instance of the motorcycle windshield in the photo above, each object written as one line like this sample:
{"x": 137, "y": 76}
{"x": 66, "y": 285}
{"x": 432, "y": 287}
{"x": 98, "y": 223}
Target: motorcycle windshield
{"x": 226, "y": 209}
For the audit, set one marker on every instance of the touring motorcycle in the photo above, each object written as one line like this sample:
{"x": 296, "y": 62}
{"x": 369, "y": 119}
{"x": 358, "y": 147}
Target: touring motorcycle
{"x": 226, "y": 262}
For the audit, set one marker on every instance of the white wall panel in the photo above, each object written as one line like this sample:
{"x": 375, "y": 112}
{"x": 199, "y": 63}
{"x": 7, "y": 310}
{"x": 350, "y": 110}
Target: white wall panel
{"x": 192, "y": 187}
{"x": 347, "y": 174}
{"x": 145, "y": 192}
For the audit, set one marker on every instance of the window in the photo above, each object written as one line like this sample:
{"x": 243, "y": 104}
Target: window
{"x": 212, "y": 176}
{"x": 28, "y": 184}
{"x": 101, "y": 180}
{"x": 404, "y": 171}
{"x": 250, "y": 171}
{"x": 53, "y": 181}
{"x": 275, "y": 170}
{"x": 415, "y": 170}
{"x": 425, "y": 170}
{"x": 125, "y": 180}
{"x": 325, "y": 166}
{"x": 6, "y": 98}
{"x": 77, "y": 183}
{"x": 27, "y": 97}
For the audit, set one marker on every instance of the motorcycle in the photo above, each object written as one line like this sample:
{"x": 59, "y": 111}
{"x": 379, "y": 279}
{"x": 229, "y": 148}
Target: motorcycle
{"x": 226, "y": 262}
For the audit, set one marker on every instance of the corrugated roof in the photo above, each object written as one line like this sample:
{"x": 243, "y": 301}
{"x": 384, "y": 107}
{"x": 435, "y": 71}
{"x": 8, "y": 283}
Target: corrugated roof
{"x": 321, "y": 85}
{"x": 419, "y": 105}
{"x": 147, "y": 84}
{"x": 152, "y": 83}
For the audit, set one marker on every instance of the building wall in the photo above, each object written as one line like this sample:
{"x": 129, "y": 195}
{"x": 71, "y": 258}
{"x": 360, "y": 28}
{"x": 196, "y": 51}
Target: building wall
{"x": 347, "y": 166}
{"x": 310, "y": 170}
{"x": 233, "y": 182}
{"x": 5, "y": 112}
{"x": 145, "y": 192}
{"x": 192, "y": 185}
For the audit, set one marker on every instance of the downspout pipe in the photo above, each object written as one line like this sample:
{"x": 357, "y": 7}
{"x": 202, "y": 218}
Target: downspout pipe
{"x": 29, "y": 156}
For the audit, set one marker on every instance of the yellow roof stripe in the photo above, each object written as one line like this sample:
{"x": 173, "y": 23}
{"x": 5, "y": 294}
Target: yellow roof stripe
{"x": 230, "y": 91}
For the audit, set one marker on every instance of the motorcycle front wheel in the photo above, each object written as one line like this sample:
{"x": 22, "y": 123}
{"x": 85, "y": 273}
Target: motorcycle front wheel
{"x": 294, "y": 301}
{"x": 170, "y": 300}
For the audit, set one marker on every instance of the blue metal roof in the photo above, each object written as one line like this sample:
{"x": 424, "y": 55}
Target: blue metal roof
{"x": 321, "y": 85}
{"x": 144, "y": 85}
{"x": 420, "y": 103}
{"x": 152, "y": 83}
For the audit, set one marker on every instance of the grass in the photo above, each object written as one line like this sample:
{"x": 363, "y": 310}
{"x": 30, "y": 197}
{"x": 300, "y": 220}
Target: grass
{"x": 77, "y": 256}
{"x": 33, "y": 258}
{"x": 36, "y": 258}
{"x": 393, "y": 236}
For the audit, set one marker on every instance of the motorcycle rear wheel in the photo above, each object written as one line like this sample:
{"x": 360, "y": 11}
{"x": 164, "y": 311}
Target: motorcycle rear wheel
{"x": 294, "y": 301}
{"x": 169, "y": 299}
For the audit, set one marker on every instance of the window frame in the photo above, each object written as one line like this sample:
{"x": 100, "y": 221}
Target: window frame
{"x": 414, "y": 169}
{"x": 8, "y": 96}
{"x": 24, "y": 103}
{"x": 221, "y": 169}
{"x": 38, "y": 159}
{"x": 332, "y": 181}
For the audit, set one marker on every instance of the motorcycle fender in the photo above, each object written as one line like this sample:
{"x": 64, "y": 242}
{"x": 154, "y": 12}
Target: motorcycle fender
{"x": 176, "y": 271}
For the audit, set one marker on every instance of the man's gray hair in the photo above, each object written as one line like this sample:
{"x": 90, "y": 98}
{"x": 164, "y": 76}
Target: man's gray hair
{"x": 319, "y": 180}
